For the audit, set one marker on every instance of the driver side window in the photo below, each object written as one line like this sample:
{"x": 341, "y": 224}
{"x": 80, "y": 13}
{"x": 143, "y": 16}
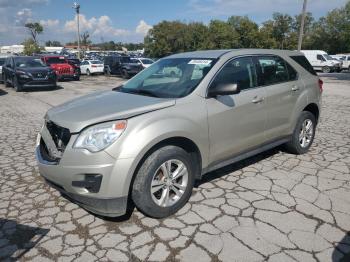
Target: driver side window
{"x": 240, "y": 71}
{"x": 321, "y": 58}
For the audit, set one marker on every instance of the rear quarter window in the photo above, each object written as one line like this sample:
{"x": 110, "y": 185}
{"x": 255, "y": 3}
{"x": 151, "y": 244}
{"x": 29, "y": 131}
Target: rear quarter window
{"x": 301, "y": 60}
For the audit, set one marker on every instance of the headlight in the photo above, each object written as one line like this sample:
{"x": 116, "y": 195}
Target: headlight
{"x": 22, "y": 74}
{"x": 98, "y": 137}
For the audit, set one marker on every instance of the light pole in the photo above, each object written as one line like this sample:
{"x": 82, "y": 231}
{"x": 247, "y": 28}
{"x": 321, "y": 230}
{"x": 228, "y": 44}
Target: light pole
{"x": 76, "y": 6}
{"x": 301, "y": 31}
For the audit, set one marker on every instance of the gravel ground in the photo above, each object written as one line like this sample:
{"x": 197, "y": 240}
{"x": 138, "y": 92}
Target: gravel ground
{"x": 271, "y": 207}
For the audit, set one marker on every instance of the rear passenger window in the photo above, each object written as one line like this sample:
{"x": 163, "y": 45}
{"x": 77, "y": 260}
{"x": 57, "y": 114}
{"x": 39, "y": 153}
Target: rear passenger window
{"x": 273, "y": 70}
{"x": 240, "y": 71}
{"x": 301, "y": 60}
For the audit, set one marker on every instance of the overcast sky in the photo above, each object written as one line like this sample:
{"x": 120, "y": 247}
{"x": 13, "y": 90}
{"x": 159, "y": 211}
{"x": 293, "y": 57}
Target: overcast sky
{"x": 129, "y": 21}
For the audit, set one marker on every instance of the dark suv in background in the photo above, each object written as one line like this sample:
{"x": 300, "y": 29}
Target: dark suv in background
{"x": 121, "y": 65}
{"x": 27, "y": 71}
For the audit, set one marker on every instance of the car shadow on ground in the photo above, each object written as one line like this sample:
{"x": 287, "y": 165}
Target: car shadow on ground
{"x": 3, "y": 92}
{"x": 42, "y": 89}
{"x": 336, "y": 76}
{"x": 237, "y": 166}
{"x": 342, "y": 247}
{"x": 17, "y": 239}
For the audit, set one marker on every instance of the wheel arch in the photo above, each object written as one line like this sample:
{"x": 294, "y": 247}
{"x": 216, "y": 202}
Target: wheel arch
{"x": 313, "y": 109}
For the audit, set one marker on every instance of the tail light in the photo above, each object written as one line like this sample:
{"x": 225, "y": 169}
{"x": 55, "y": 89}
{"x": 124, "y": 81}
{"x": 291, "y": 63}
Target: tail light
{"x": 320, "y": 85}
{"x": 93, "y": 66}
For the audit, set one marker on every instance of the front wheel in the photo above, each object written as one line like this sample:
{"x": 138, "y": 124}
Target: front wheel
{"x": 164, "y": 182}
{"x": 303, "y": 134}
{"x": 17, "y": 86}
{"x": 326, "y": 69}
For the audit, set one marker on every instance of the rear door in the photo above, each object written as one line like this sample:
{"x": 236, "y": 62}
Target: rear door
{"x": 236, "y": 122}
{"x": 283, "y": 88}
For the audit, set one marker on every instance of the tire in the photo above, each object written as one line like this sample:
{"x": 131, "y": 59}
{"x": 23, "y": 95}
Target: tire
{"x": 326, "y": 69}
{"x": 152, "y": 170}
{"x": 295, "y": 145}
{"x": 108, "y": 72}
{"x": 77, "y": 78}
{"x": 7, "y": 84}
{"x": 88, "y": 73}
{"x": 125, "y": 74}
{"x": 17, "y": 86}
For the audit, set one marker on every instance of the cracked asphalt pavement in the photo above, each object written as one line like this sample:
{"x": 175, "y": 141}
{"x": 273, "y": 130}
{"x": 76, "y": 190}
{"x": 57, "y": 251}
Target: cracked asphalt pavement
{"x": 271, "y": 207}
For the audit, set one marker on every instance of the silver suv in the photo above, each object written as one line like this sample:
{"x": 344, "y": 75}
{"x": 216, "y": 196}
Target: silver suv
{"x": 147, "y": 141}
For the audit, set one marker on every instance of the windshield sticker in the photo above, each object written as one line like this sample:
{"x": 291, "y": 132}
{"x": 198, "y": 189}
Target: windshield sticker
{"x": 199, "y": 62}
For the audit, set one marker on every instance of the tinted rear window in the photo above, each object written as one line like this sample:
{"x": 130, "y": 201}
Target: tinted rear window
{"x": 301, "y": 60}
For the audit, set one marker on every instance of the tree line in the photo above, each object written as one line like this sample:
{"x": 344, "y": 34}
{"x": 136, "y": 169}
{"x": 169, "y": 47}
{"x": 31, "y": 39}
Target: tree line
{"x": 330, "y": 33}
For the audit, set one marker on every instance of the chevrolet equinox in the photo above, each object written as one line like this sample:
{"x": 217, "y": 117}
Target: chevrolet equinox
{"x": 148, "y": 140}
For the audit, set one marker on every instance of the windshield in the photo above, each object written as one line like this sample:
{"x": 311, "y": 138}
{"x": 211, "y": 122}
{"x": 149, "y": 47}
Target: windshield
{"x": 328, "y": 57}
{"x": 56, "y": 60}
{"x": 2, "y": 61}
{"x": 96, "y": 62}
{"x": 147, "y": 61}
{"x": 169, "y": 78}
{"x": 28, "y": 62}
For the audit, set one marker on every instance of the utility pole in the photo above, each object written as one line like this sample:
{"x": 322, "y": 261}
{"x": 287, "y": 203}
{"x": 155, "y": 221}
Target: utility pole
{"x": 302, "y": 23}
{"x": 76, "y": 6}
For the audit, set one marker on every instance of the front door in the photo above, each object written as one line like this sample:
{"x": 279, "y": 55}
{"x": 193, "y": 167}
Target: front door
{"x": 236, "y": 122}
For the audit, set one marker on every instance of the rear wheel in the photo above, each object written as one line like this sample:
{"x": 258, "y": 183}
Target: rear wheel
{"x": 16, "y": 85}
{"x": 303, "y": 134}
{"x": 326, "y": 69}
{"x": 88, "y": 72}
{"x": 164, "y": 182}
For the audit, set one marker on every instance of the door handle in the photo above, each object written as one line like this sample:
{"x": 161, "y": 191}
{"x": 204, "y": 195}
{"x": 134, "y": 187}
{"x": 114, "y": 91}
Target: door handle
{"x": 257, "y": 100}
{"x": 295, "y": 88}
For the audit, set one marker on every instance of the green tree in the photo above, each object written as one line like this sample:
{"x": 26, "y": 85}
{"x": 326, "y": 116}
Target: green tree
{"x": 247, "y": 30}
{"x": 53, "y": 43}
{"x": 30, "y": 47}
{"x": 34, "y": 29}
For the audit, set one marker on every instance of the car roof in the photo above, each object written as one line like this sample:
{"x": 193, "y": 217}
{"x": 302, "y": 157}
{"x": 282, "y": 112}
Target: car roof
{"x": 214, "y": 54}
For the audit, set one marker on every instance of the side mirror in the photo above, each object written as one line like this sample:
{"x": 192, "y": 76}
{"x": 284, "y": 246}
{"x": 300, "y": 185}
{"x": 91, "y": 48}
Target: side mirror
{"x": 223, "y": 90}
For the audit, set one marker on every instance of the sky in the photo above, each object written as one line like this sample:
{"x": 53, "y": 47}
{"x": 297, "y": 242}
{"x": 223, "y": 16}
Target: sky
{"x": 129, "y": 21}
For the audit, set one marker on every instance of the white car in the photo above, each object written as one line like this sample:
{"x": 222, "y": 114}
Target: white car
{"x": 89, "y": 67}
{"x": 145, "y": 62}
{"x": 2, "y": 61}
{"x": 345, "y": 58}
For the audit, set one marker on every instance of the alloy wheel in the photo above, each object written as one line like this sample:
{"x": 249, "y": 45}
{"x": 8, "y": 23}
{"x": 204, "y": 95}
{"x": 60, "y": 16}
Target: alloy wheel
{"x": 306, "y": 133}
{"x": 169, "y": 183}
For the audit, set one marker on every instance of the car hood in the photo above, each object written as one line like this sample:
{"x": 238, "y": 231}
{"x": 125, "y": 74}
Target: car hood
{"x": 103, "y": 106}
{"x": 34, "y": 69}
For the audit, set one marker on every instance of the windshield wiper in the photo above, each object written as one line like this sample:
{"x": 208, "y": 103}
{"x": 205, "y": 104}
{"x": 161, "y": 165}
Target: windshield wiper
{"x": 138, "y": 92}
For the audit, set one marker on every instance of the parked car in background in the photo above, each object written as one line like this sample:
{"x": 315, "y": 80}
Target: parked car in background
{"x": 27, "y": 71}
{"x": 345, "y": 58}
{"x": 321, "y": 61}
{"x": 149, "y": 139}
{"x": 145, "y": 62}
{"x": 90, "y": 67}
{"x": 62, "y": 68}
{"x": 75, "y": 62}
{"x": 121, "y": 65}
{"x": 2, "y": 62}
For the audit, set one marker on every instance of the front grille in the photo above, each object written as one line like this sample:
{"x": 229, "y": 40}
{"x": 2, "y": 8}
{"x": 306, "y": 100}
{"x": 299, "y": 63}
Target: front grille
{"x": 60, "y": 137}
{"x": 39, "y": 75}
{"x": 64, "y": 71}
